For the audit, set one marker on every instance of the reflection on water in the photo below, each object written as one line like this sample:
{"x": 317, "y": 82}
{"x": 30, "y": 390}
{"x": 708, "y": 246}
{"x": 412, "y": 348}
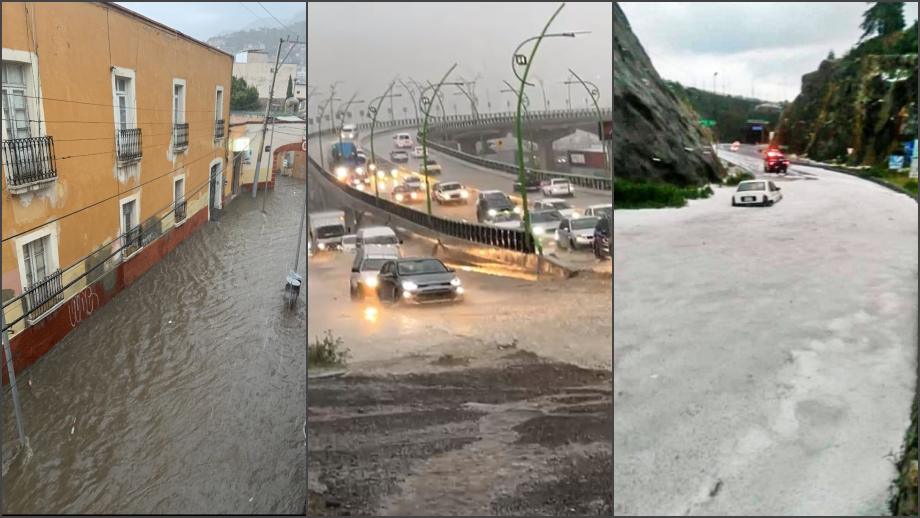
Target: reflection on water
{"x": 186, "y": 393}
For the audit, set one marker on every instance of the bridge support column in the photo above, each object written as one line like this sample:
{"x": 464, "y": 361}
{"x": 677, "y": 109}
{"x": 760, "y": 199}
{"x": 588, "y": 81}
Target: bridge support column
{"x": 468, "y": 145}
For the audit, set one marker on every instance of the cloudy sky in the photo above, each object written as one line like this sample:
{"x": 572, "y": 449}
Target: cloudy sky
{"x": 202, "y": 20}
{"x": 422, "y": 41}
{"x": 760, "y": 47}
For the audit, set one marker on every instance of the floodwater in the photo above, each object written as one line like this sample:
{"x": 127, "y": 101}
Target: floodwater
{"x": 186, "y": 393}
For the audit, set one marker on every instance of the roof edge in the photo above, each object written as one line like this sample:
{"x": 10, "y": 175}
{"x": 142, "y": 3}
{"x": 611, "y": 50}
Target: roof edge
{"x": 129, "y": 12}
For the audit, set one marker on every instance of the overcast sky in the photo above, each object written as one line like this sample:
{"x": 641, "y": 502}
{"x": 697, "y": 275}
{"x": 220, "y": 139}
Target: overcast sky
{"x": 202, "y": 20}
{"x": 765, "y": 46}
{"x": 422, "y": 41}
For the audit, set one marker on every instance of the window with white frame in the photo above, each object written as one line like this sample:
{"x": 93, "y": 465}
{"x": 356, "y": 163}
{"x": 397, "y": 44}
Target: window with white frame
{"x": 129, "y": 226}
{"x": 179, "y": 199}
{"x": 36, "y": 261}
{"x": 16, "y": 113}
{"x": 178, "y": 103}
{"x": 121, "y": 101}
{"x": 39, "y": 273}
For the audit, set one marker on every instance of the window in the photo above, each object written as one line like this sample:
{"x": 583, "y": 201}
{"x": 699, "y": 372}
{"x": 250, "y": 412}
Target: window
{"x": 179, "y": 199}
{"x": 178, "y": 103}
{"x": 219, "y": 104}
{"x": 15, "y": 105}
{"x": 129, "y": 225}
{"x": 35, "y": 260}
{"x": 121, "y": 98}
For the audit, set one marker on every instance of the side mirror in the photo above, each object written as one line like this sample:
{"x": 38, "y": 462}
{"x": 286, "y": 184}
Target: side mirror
{"x": 451, "y": 270}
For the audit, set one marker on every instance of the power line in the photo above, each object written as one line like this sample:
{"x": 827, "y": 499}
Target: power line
{"x": 105, "y": 105}
{"x": 112, "y": 122}
{"x": 283, "y": 26}
{"x": 107, "y": 199}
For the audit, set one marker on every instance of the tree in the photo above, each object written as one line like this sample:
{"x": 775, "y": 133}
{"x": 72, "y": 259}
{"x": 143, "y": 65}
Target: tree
{"x": 290, "y": 90}
{"x": 243, "y": 96}
{"x": 883, "y": 18}
{"x": 830, "y": 55}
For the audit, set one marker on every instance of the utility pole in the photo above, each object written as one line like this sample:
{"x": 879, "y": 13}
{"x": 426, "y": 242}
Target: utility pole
{"x": 268, "y": 166}
{"x": 271, "y": 91}
{"x": 23, "y": 440}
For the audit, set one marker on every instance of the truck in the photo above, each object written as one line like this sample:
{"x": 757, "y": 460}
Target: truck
{"x": 326, "y": 230}
{"x": 344, "y": 153}
{"x": 587, "y": 158}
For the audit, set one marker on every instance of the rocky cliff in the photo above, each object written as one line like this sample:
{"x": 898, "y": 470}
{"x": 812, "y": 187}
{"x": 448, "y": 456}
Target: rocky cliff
{"x": 656, "y": 136}
{"x": 866, "y": 101}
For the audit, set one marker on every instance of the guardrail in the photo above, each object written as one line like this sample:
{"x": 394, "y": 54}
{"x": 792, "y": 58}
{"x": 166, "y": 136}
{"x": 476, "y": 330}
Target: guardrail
{"x": 509, "y": 239}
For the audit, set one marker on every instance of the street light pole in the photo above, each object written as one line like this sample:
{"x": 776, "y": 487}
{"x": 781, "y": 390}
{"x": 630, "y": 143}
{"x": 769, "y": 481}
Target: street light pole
{"x": 426, "y": 108}
{"x": 372, "y": 167}
{"x": 595, "y": 93}
{"x": 527, "y": 62}
{"x": 271, "y": 92}
{"x": 411, "y": 96}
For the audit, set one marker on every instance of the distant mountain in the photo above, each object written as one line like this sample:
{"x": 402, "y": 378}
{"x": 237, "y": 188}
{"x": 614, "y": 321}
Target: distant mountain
{"x": 266, "y": 37}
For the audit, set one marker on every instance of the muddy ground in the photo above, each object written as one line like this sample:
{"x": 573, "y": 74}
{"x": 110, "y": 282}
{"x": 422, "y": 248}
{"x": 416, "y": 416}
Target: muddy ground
{"x": 498, "y": 432}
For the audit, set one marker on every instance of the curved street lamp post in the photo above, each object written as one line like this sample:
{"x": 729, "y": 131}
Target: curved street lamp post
{"x": 426, "y": 108}
{"x": 526, "y": 62}
{"x": 595, "y": 94}
{"x": 373, "y": 110}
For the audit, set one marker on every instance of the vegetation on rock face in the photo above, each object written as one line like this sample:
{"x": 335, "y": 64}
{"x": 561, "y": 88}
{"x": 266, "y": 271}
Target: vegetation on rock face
{"x": 858, "y": 109}
{"x": 659, "y": 139}
{"x": 641, "y": 194}
{"x": 883, "y": 18}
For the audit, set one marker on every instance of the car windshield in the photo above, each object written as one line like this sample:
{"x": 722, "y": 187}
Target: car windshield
{"x": 450, "y": 186}
{"x": 372, "y": 265}
{"x": 381, "y": 240}
{"x": 583, "y": 223}
{"x": 543, "y": 217}
{"x": 421, "y": 267}
{"x": 497, "y": 199}
{"x": 753, "y": 186}
{"x": 330, "y": 231}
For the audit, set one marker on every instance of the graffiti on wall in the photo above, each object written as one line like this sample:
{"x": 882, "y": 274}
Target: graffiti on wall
{"x": 82, "y": 306}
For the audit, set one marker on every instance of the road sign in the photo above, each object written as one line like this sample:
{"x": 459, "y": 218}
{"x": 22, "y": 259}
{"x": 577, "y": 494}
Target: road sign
{"x": 895, "y": 162}
{"x": 707, "y": 123}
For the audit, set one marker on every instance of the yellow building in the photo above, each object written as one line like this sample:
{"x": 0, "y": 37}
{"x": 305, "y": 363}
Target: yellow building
{"x": 284, "y": 136}
{"x": 114, "y": 150}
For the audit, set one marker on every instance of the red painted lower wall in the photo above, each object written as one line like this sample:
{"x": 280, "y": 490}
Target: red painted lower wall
{"x": 34, "y": 341}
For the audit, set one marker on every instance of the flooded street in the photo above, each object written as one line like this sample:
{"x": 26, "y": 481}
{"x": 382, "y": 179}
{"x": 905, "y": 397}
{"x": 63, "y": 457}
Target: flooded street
{"x": 186, "y": 393}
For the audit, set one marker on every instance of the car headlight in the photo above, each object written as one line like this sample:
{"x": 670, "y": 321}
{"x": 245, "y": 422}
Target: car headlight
{"x": 492, "y": 212}
{"x": 538, "y": 230}
{"x": 409, "y": 286}
{"x": 517, "y": 209}
{"x": 394, "y": 172}
{"x": 464, "y": 193}
{"x": 371, "y": 281}
{"x": 399, "y": 197}
{"x": 575, "y": 214}
{"x": 321, "y": 246}
{"x": 414, "y": 195}
{"x": 459, "y": 290}
{"x": 359, "y": 170}
{"x": 381, "y": 174}
{"x": 455, "y": 282}
{"x": 341, "y": 172}
{"x": 372, "y": 167}
{"x": 359, "y": 186}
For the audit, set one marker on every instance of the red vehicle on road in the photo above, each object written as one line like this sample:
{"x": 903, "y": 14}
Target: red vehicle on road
{"x": 774, "y": 161}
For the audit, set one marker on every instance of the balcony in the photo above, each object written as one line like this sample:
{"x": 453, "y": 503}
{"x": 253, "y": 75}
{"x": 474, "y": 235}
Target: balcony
{"x": 29, "y": 163}
{"x": 180, "y": 136}
{"x": 218, "y": 130}
{"x": 131, "y": 241}
{"x": 42, "y": 297}
{"x": 128, "y": 145}
{"x": 179, "y": 211}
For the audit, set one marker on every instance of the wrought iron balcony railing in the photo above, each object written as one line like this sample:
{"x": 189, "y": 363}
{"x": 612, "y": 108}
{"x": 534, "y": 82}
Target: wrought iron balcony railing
{"x": 128, "y": 144}
{"x": 179, "y": 211}
{"x": 29, "y": 161}
{"x": 218, "y": 129}
{"x": 180, "y": 136}
{"x": 132, "y": 241}
{"x": 39, "y": 298}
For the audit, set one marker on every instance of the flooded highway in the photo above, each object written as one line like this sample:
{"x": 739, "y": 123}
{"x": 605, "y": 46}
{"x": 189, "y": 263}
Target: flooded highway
{"x": 186, "y": 393}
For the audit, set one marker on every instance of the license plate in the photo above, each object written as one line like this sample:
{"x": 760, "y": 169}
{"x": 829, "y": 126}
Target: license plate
{"x": 747, "y": 198}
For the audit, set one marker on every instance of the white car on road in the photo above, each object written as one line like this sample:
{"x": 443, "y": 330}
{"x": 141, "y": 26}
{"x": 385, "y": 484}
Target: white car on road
{"x": 603, "y": 209}
{"x": 558, "y": 187}
{"x": 756, "y": 192}
{"x": 366, "y": 266}
{"x": 402, "y": 140}
{"x": 417, "y": 152}
{"x": 350, "y": 131}
{"x": 451, "y": 192}
{"x": 575, "y": 233}
{"x": 557, "y": 204}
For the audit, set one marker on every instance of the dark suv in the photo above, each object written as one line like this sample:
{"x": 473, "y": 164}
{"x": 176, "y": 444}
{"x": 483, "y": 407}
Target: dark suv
{"x": 490, "y": 204}
{"x": 531, "y": 183}
{"x": 602, "y": 238}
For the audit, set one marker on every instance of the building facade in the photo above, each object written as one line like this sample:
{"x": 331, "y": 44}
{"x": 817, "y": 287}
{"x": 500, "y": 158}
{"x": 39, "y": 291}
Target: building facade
{"x": 256, "y": 67}
{"x": 245, "y": 141}
{"x": 115, "y": 145}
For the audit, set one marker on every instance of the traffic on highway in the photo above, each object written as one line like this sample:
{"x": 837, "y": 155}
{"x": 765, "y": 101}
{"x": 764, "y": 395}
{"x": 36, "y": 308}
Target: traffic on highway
{"x": 460, "y": 319}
